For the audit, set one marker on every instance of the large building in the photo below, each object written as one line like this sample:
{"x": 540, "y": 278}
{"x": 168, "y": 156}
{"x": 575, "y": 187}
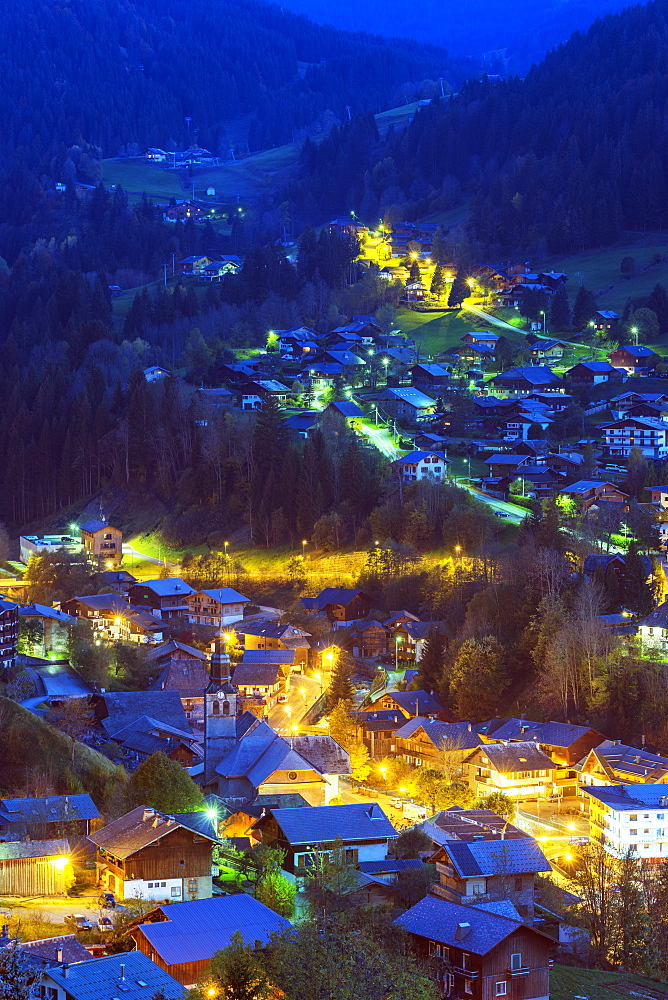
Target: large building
{"x": 630, "y": 819}
{"x": 9, "y": 632}
{"x": 102, "y": 543}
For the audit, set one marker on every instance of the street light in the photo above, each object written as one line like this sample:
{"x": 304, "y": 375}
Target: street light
{"x": 634, "y": 331}
{"x": 318, "y": 677}
{"x": 396, "y": 653}
{"x": 383, "y": 771}
{"x": 226, "y": 544}
{"x": 304, "y": 544}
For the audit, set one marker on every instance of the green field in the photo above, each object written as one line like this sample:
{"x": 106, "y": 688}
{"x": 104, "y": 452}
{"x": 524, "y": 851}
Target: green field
{"x": 232, "y": 181}
{"x": 435, "y": 332}
{"x": 567, "y": 982}
{"x": 599, "y": 269}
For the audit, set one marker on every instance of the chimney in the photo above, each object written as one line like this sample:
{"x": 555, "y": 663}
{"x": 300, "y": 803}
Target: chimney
{"x": 148, "y": 814}
{"x": 59, "y": 955}
{"x": 122, "y": 973}
{"x": 462, "y": 930}
{"x": 66, "y": 971}
{"x": 470, "y": 727}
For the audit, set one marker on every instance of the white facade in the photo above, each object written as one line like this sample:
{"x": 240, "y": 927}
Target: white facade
{"x": 175, "y": 889}
{"x": 646, "y": 433}
{"x": 630, "y": 819}
{"x": 203, "y": 609}
{"x": 31, "y": 545}
{"x": 423, "y": 465}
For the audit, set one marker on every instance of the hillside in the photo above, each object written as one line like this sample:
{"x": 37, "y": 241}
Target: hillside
{"x": 567, "y": 158}
{"x": 512, "y": 35}
{"x": 33, "y": 753}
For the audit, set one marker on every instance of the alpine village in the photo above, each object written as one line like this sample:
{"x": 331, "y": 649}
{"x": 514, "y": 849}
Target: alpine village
{"x": 334, "y": 500}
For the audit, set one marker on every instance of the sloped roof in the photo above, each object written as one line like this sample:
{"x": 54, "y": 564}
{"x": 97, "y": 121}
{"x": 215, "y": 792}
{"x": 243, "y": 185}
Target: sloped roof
{"x": 438, "y": 732}
{"x": 172, "y": 648}
{"x": 170, "y": 587}
{"x": 557, "y": 734}
{"x": 323, "y": 752}
{"x": 536, "y": 375}
{"x": 33, "y": 849}
{"x": 619, "y": 758}
{"x": 100, "y": 978}
{"x": 194, "y": 931}
{"x": 262, "y": 674}
{"x": 511, "y": 757}
{"x": 322, "y": 824}
{"x": 124, "y": 707}
{"x": 629, "y": 797}
{"x": 48, "y": 809}
{"x": 347, "y": 408}
{"x": 413, "y": 457}
{"x": 286, "y": 656}
{"x": 105, "y": 602}
{"x": 137, "y": 829}
{"x": 391, "y": 866}
{"x": 91, "y": 527}
{"x": 657, "y": 618}
{"x": 225, "y": 595}
{"x": 271, "y": 629}
{"x": 46, "y": 950}
{"x": 42, "y": 611}
{"x": 441, "y": 921}
{"x": 520, "y": 856}
{"x": 412, "y": 701}
{"x": 188, "y": 677}
{"x": 420, "y": 630}
{"x": 335, "y": 595}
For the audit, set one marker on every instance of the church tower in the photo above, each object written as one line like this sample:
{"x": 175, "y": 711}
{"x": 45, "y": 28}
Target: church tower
{"x": 220, "y": 710}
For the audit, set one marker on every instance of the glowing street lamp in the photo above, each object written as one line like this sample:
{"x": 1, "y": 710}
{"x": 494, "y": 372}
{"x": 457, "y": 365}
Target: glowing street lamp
{"x": 304, "y": 544}
{"x": 61, "y": 863}
{"x": 318, "y": 677}
{"x": 634, "y": 331}
{"x": 226, "y": 544}
{"x": 383, "y": 771}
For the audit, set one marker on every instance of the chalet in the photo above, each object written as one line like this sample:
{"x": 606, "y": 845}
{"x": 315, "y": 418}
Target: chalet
{"x": 505, "y": 464}
{"x": 606, "y": 567}
{"x": 411, "y": 637}
{"x": 255, "y": 394}
{"x": 376, "y": 730}
{"x": 9, "y": 633}
{"x": 349, "y": 361}
{"x": 645, "y": 433}
{"x": 259, "y": 634}
{"x": 424, "y": 440}
{"x": 633, "y": 359}
{"x": 479, "y": 952}
{"x": 263, "y": 763}
{"x": 102, "y": 542}
{"x": 614, "y": 763}
{"x": 220, "y": 607}
{"x": 484, "y": 871}
{"x": 118, "y": 581}
{"x": 588, "y": 492}
{"x": 189, "y": 678}
{"x": 465, "y": 825}
{"x": 483, "y": 337}
{"x": 517, "y": 769}
{"x": 107, "y": 613}
{"x": 563, "y": 742}
{"x": 339, "y": 604}
{"x": 304, "y": 422}
{"x": 553, "y": 402}
{"x": 410, "y": 404}
{"x": 604, "y": 320}
{"x": 364, "y": 829}
{"x": 629, "y": 820}
{"x": 162, "y": 598}
{"x": 524, "y": 380}
{"x": 411, "y": 704}
{"x": 116, "y": 710}
{"x": 130, "y": 975}
{"x": 193, "y": 265}
{"x": 475, "y": 353}
{"x": 350, "y": 411}
{"x": 424, "y": 742}
{"x": 218, "y": 269}
{"x": 155, "y": 373}
{"x": 552, "y": 279}
{"x": 368, "y": 638}
{"x": 65, "y": 949}
{"x": 422, "y": 465}
{"x": 182, "y": 938}
{"x": 591, "y": 373}
{"x": 548, "y": 350}
{"x": 414, "y": 291}
{"x": 181, "y": 212}
{"x": 653, "y": 630}
{"x": 160, "y": 655}
{"x": 150, "y": 855}
{"x": 145, "y": 736}
{"x": 260, "y": 683}
{"x": 47, "y": 816}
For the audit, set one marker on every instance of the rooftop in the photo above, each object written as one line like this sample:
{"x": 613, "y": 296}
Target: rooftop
{"x": 323, "y": 824}
{"x": 137, "y": 829}
{"x": 130, "y": 975}
{"x": 473, "y": 928}
{"x": 517, "y": 856}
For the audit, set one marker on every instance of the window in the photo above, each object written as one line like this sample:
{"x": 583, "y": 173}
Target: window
{"x": 633, "y": 817}
{"x": 466, "y": 960}
{"x": 182, "y": 861}
{"x": 434, "y": 949}
{"x": 163, "y": 885}
{"x": 350, "y": 856}
{"x": 48, "y": 993}
{"x": 518, "y": 884}
{"x": 150, "y": 885}
{"x": 468, "y": 986}
{"x": 502, "y": 989}
{"x": 633, "y": 832}
{"x": 516, "y": 961}
{"x": 176, "y": 890}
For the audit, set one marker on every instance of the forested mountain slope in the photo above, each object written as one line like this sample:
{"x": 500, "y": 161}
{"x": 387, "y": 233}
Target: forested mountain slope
{"x": 518, "y": 32}
{"x": 570, "y": 155}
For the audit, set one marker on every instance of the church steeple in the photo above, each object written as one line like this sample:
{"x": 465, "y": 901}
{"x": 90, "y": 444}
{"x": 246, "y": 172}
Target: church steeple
{"x": 220, "y": 709}
{"x": 220, "y": 672}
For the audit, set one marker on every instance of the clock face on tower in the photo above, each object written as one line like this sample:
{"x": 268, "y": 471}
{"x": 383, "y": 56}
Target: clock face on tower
{"x": 221, "y": 695}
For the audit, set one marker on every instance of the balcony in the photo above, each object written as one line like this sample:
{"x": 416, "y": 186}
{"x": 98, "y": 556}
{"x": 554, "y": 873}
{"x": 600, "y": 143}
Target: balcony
{"x": 519, "y": 973}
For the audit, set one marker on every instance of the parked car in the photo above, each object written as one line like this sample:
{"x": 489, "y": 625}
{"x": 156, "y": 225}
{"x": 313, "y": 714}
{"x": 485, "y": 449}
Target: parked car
{"x": 282, "y": 699}
{"x": 81, "y": 923}
{"x": 107, "y": 901}
{"x": 105, "y": 925}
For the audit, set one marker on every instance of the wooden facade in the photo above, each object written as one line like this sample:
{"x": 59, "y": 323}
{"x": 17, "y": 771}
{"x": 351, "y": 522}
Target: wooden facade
{"x": 32, "y": 877}
{"x": 519, "y": 889}
{"x": 186, "y": 973}
{"x": 179, "y": 854}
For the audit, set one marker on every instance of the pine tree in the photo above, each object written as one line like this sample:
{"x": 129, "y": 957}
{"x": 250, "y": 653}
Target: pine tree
{"x": 19, "y": 979}
{"x": 415, "y": 272}
{"x": 234, "y": 973}
{"x": 459, "y": 290}
{"x": 658, "y": 303}
{"x": 478, "y": 678}
{"x": 638, "y": 593}
{"x": 584, "y": 308}
{"x": 163, "y": 784}
{"x": 341, "y": 685}
{"x": 438, "y": 282}
{"x": 431, "y": 664}
{"x": 560, "y": 313}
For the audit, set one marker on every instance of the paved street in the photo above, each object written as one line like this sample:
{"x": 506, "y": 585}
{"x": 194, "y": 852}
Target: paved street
{"x": 381, "y": 438}
{"x": 54, "y": 909}
{"x": 515, "y": 515}
{"x": 282, "y": 717}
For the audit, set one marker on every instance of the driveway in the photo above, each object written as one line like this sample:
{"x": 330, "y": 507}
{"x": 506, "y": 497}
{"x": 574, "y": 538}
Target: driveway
{"x": 53, "y": 908}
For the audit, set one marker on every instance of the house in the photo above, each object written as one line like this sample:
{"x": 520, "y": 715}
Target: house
{"x": 102, "y": 542}
{"x": 130, "y": 975}
{"x": 145, "y": 736}
{"x": 409, "y": 404}
{"x": 46, "y": 817}
{"x": 369, "y": 639}
{"x": 430, "y": 378}
{"x": 220, "y": 607}
{"x": 645, "y": 433}
{"x": 630, "y": 819}
{"x": 107, "y": 614}
{"x": 118, "y": 581}
{"x": 33, "y": 545}
{"x": 35, "y": 868}
{"x": 522, "y": 380}
{"x": 292, "y": 341}
{"x": 653, "y": 630}
{"x": 193, "y": 265}
{"x": 481, "y": 951}
{"x": 66, "y": 949}
{"x": 376, "y": 730}
{"x": 422, "y": 465}
{"x": 424, "y": 742}
{"x": 364, "y": 829}
{"x": 147, "y": 854}
{"x": 155, "y": 373}
{"x": 183, "y": 937}
{"x": 633, "y": 359}
{"x": 604, "y": 320}
{"x": 260, "y": 684}
{"x": 162, "y": 598}
{"x": 217, "y": 269}
{"x": 411, "y": 638}
{"x": 339, "y": 604}
{"x": 483, "y": 871}
{"x": 388, "y": 871}
{"x": 591, "y": 373}
{"x": 414, "y": 291}
{"x": 410, "y": 704}
{"x": 466, "y": 825}
{"x": 350, "y": 411}
{"x": 262, "y": 634}
{"x": 614, "y": 763}
{"x": 548, "y": 350}
{"x": 347, "y": 359}
{"x": 611, "y": 566}
{"x": 189, "y": 679}
{"x": 485, "y": 337}
{"x": 505, "y": 464}
{"x": 563, "y": 742}
{"x": 9, "y": 633}
{"x": 588, "y": 492}
{"x": 54, "y": 625}
{"x": 159, "y": 655}
{"x": 116, "y": 710}
{"x": 475, "y": 353}
{"x": 255, "y": 394}
{"x": 519, "y": 770}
